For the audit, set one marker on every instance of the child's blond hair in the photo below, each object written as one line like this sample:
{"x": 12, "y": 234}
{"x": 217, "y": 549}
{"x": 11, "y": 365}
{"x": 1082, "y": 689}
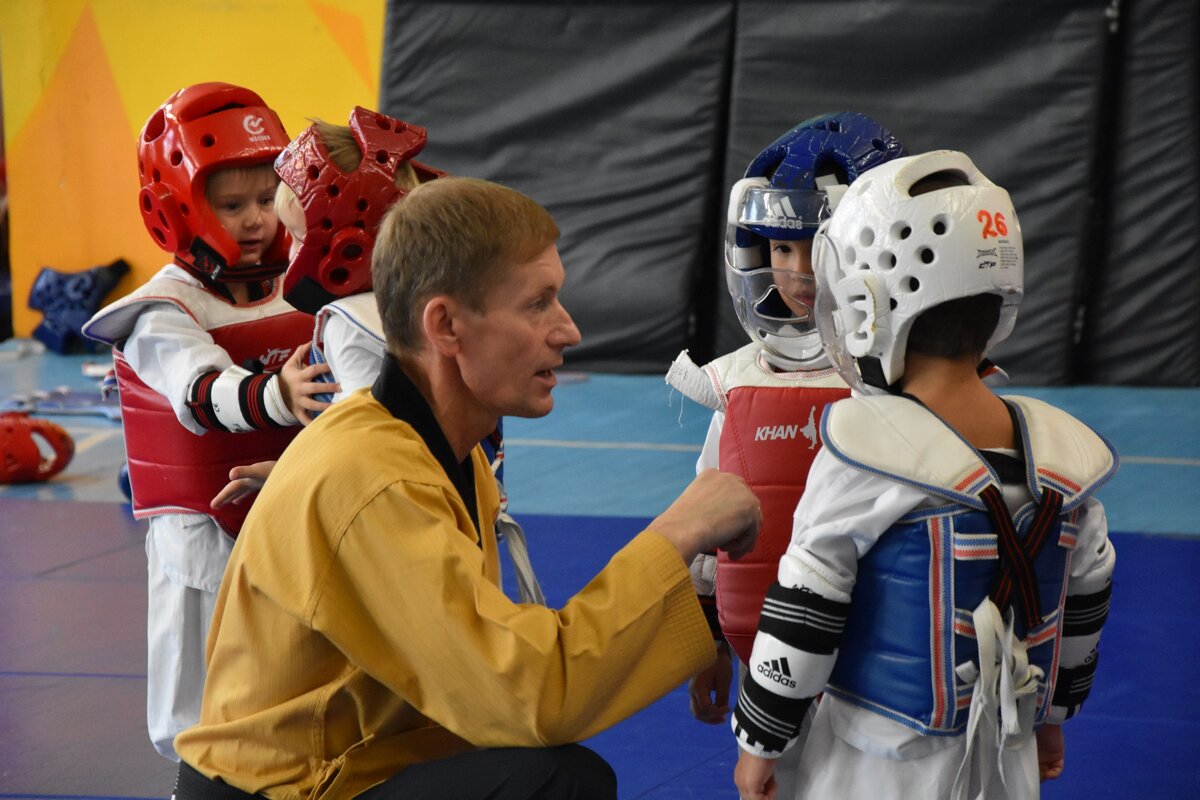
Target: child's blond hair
{"x": 346, "y": 155}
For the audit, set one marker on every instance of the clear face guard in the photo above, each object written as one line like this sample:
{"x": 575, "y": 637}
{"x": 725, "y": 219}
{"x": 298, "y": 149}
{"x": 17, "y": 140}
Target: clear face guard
{"x": 827, "y": 269}
{"x": 774, "y": 305}
{"x": 776, "y": 308}
{"x": 779, "y": 297}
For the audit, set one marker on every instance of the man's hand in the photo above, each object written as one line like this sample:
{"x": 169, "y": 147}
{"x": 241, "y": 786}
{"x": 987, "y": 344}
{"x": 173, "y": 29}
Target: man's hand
{"x": 754, "y": 777}
{"x": 716, "y": 510}
{"x": 243, "y": 482}
{"x": 298, "y": 384}
{"x": 1051, "y": 752}
{"x": 709, "y": 689}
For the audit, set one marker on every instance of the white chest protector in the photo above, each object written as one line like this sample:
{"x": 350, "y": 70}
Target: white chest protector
{"x": 899, "y": 438}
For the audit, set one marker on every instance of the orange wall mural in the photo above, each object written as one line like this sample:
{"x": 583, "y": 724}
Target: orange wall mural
{"x": 80, "y": 78}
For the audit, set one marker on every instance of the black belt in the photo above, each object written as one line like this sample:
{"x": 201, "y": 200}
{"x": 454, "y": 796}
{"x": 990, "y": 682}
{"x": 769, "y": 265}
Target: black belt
{"x": 192, "y": 785}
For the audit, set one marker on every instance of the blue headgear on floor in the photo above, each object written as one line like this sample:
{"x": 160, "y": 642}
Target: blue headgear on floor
{"x": 788, "y": 190}
{"x": 69, "y": 299}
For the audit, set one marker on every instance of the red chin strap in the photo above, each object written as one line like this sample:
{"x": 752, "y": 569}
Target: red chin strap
{"x": 22, "y": 440}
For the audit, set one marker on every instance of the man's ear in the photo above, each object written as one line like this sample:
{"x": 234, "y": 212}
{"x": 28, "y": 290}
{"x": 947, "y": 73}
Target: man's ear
{"x": 440, "y": 322}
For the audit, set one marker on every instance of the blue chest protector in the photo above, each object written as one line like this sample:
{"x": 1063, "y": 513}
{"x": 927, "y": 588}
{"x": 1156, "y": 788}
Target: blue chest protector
{"x": 910, "y": 631}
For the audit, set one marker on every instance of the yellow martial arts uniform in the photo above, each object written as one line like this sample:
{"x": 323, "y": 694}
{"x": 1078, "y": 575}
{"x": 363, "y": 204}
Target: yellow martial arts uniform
{"x": 360, "y": 628}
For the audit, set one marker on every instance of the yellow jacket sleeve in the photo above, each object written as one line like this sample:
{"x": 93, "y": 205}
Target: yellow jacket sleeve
{"x": 415, "y": 610}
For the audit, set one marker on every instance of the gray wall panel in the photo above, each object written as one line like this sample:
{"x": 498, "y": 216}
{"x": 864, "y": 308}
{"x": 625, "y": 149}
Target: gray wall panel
{"x": 608, "y": 117}
{"x": 1143, "y": 321}
{"x": 1016, "y": 92}
{"x": 630, "y": 121}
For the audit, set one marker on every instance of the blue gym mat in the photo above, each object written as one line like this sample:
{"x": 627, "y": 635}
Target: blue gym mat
{"x": 582, "y": 481}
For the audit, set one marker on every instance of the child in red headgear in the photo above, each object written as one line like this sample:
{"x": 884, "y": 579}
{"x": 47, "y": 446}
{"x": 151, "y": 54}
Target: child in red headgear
{"x": 199, "y": 351}
{"x": 337, "y": 182}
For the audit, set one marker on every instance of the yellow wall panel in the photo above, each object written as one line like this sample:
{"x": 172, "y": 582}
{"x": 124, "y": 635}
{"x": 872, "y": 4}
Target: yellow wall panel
{"x": 33, "y": 36}
{"x": 80, "y": 79}
{"x": 72, "y": 174}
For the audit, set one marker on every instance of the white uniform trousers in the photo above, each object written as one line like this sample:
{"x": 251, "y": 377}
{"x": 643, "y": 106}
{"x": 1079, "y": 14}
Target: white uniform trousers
{"x": 186, "y": 556}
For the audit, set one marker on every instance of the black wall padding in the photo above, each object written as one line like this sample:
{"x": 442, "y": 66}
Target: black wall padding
{"x": 1014, "y": 90}
{"x": 1142, "y": 325}
{"x": 630, "y": 121}
{"x": 608, "y": 115}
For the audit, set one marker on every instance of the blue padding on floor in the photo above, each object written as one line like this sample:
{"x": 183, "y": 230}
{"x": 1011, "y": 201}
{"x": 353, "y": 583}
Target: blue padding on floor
{"x": 1135, "y": 738}
{"x": 660, "y": 750}
{"x": 568, "y": 551}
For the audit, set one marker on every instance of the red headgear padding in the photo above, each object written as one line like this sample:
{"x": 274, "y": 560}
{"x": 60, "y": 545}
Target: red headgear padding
{"x": 199, "y": 130}
{"x": 21, "y": 460}
{"x": 342, "y": 211}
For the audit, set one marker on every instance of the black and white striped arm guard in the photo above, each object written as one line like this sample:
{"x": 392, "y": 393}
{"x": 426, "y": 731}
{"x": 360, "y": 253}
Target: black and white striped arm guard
{"x": 798, "y": 636}
{"x": 238, "y": 400}
{"x": 1084, "y": 614}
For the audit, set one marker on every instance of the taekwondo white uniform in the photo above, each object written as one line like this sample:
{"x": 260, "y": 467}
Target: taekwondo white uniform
{"x": 179, "y": 348}
{"x": 885, "y": 603}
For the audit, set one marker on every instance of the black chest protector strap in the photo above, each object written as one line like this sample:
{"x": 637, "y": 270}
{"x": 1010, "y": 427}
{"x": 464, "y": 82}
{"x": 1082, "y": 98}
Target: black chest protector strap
{"x": 1017, "y": 555}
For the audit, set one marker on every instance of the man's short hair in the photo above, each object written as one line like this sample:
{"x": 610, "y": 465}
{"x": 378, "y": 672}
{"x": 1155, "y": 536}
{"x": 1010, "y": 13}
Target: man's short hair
{"x": 455, "y": 237}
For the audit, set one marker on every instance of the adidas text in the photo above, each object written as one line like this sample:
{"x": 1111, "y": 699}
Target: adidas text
{"x": 777, "y": 676}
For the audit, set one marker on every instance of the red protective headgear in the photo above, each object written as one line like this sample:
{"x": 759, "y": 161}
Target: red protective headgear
{"x": 199, "y": 130}
{"x": 21, "y": 460}
{"x": 342, "y": 211}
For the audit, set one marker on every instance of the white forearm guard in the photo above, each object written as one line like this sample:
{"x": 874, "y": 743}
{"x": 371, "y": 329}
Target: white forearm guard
{"x": 794, "y": 653}
{"x": 238, "y": 400}
{"x": 1084, "y": 614}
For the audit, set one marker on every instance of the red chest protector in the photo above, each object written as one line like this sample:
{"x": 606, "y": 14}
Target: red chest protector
{"x": 171, "y": 469}
{"x": 770, "y": 438}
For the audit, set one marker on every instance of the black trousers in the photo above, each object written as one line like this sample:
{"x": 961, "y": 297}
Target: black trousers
{"x": 570, "y": 772}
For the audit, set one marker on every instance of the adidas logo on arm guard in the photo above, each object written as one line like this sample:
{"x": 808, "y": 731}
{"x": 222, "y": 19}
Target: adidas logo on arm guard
{"x": 777, "y": 670}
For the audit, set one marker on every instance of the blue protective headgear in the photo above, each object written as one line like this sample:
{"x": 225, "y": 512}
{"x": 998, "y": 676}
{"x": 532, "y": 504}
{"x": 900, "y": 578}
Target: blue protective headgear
{"x": 69, "y": 299}
{"x": 788, "y": 190}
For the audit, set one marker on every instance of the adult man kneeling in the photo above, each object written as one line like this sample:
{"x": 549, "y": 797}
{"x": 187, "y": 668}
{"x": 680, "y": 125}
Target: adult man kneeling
{"x": 361, "y": 645}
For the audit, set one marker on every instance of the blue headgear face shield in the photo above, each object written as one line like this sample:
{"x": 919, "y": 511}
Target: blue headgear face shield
{"x": 774, "y": 305}
{"x": 790, "y": 188}
{"x": 780, "y": 213}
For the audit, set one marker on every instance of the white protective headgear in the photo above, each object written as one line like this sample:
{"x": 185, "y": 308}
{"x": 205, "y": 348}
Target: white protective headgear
{"x": 884, "y": 256}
